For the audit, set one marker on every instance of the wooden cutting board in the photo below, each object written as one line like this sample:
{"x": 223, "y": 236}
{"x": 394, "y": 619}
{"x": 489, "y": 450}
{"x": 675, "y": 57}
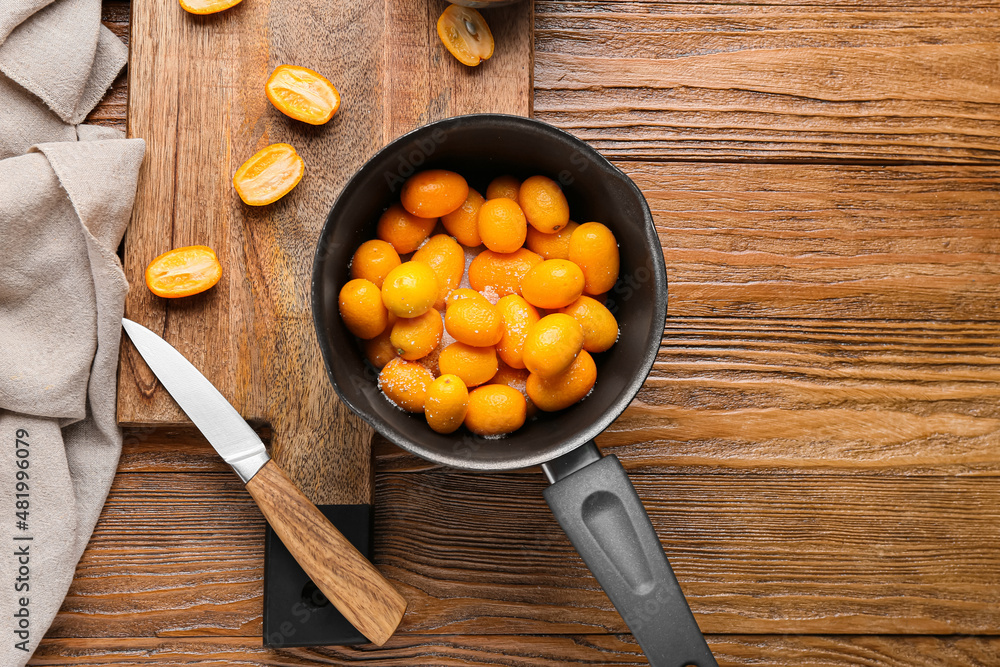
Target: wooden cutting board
{"x": 196, "y": 95}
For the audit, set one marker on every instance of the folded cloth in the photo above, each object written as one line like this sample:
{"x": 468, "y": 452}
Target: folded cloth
{"x": 64, "y": 206}
{"x": 56, "y": 62}
{"x": 63, "y": 210}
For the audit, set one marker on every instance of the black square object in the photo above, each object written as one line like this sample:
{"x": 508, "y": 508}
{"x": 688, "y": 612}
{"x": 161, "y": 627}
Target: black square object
{"x": 296, "y": 613}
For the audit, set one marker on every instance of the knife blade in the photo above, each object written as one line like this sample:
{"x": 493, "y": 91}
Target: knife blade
{"x": 347, "y": 578}
{"x": 220, "y": 423}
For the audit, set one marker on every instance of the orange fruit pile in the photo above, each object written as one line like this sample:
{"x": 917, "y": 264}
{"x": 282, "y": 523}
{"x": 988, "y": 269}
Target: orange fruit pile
{"x": 482, "y": 311}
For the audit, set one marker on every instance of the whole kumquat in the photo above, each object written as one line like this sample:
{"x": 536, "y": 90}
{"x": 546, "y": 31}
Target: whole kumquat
{"x": 544, "y": 204}
{"x": 462, "y": 293}
{"x": 183, "y": 272}
{"x": 512, "y": 377}
{"x": 447, "y": 259}
{"x": 475, "y": 365}
{"x": 501, "y": 272}
{"x": 474, "y": 322}
{"x": 410, "y": 289}
{"x": 268, "y": 175}
{"x": 373, "y": 260}
{"x": 416, "y": 337}
{"x": 403, "y": 230}
{"x": 503, "y": 186}
{"x": 563, "y": 390}
{"x": 463, "y": 222}
{"x": 446, "y": 404}
{"x": 464, "y": 32}
{"x": 502, "y": 225}
{"x": 552, "y": 344}
{"x": 405, "y": 383}
{"x": 433, "y": 193}
{"x": 518, "y": 316}
{"x": 362, "y": 310}
{"x": 555, "y": 283}
{"x": 594, "y": 249}
{"x": 515, "y": 378}
{"x": 495, "y": 410}
{"x": 551, "y": 246}
{"x": 600, "y": 328}
{"x": 380, "y": 350}
{"x": 302, "y": 94}
{"x": 207, "y": 6}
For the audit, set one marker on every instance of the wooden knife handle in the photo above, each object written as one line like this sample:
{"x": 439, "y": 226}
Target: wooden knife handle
{"x": 348, "y": 580}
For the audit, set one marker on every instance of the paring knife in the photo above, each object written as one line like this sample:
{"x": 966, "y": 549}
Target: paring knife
{"x": 348, "y": 580}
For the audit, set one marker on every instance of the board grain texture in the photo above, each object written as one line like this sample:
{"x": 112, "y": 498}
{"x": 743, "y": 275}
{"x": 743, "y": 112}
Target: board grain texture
{"x": 765, "y": 80}
{"x": 530, "y": 651}
{"x": 196, "y": 97}
{"x": 179, "y": 555}
{"x": 819, "y": 440}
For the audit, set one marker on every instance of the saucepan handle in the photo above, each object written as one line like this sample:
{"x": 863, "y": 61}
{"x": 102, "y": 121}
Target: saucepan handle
{"x": 597, "y": 506}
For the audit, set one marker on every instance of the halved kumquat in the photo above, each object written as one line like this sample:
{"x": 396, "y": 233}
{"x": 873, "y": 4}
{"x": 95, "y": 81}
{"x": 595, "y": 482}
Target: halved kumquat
{"x": 269, "y": 175}
{"x": 302, "y": 94}
{"x": 207, "y": 6}
{"x": 464, "y": 32}
{"x": 183, "y": 272}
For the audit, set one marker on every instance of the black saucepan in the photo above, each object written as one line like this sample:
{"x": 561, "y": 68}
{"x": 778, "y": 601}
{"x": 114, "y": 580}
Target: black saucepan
{"x": 590, "y": 496}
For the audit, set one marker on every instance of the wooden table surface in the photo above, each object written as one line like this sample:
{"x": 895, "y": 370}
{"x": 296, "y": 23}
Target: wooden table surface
{"x": 819, "y": 441}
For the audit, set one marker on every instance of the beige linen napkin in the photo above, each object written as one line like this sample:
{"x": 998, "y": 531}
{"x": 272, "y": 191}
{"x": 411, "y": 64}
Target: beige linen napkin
{"x": 63, "y": 209}
{"x": 56, "y": 62}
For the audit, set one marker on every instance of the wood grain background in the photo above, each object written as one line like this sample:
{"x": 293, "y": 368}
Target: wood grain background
{"x": 818, "y": 442}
